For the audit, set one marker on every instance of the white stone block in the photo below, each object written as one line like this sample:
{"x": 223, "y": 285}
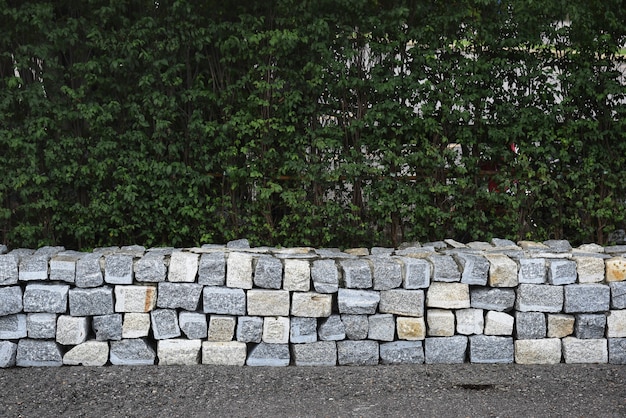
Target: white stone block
{"x": 89, "y": 353}
{"x": 502, "y": 271}
{"x": 178, "y": 352}
{"x": 311, "y": 304}
{"x": 440, "y": 323}
{"x": 135, "y": 325}
{"x": 585, "y": 351}
{"x": 231, "y": 353}
{"x": 276, "y": 330}
{"x": 590, "y": 269}
{"x": 498, "y": 323}
{"x": 297, "y": 275}
{"x": 183, "y": 267}
{"x": 616, "y": 324}
{"x": 448, "y": 295}
{"x": 72, "y": 330}
{"x": 263, "y": 302}
{"x": 539, "y": 351}
{"x": 470, "y": 321}
{"x": 135, "y": 298}
{"x": 239, "y": 271}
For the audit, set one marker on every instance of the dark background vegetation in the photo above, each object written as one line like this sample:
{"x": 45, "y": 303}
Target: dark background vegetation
{"x": 324, "y": 123}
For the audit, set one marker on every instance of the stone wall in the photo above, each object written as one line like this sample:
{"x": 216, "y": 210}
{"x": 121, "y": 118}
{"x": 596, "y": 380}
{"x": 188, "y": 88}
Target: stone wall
{"x": 441, "y": 302}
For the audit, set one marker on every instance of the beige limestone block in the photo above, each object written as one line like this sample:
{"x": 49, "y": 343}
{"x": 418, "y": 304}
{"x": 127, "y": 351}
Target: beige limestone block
{"x": 560, "y": 325}
{"x": 616, "y": 324}
{"x": 540, "y": 351}
{"x": 297, "y": 276}
{"x": 183, "y": 267}
{"x": 616, "y": 269}
{"x": 239, "y": 271}
{"x": 178, "y": 352}
{"x": 502, "y": 271}
{"x": 410, "y": 328}
{"x": 232, "y": 353}
{"x": 221, "y": 328}
{"x": 276, "y": 330}
{"x": 262, "y": 302}
{"x": 135, "y": 325}
{"x": 440, "y": 323}
{"x": 448, "y": 295}
{"x": 135, "y": 298}
{"x": 311, "y": 304}
{"x": 590, "y": 269}
{"x": 498, "y": 323}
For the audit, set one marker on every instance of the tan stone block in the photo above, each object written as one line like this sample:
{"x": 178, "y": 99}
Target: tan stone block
{"x": 616, "y": 324}
{"x": 540, "y": 351}
{"x": 297, "y": 276}
{"x": 239, "y": 271}
{"x": 311, "y": 305}
{"x": 261, "y": 302}
{"x": 232, "y": 353}
{"x": 616, "y": 269}
{"x": 221, "y": 328}
{"x": 135, "y": 298}
{"x": 135, "y": 325}
{"x": 502, "y": 271}
{"x": 560, "y": 325}
{"x": 410, "y": 328}
{"x": 183, "y": 267}
{"x": 440, "y": 323}
{"x": 448, "y": 295}
{"x": 590, "y": 269}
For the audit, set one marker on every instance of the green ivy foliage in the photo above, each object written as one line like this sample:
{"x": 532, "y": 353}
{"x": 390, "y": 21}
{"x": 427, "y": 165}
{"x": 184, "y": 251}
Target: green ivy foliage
{"x": 329, "y": 123}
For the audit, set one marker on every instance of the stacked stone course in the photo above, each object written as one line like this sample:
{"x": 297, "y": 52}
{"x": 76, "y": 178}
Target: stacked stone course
{"x": 441, "y": 302}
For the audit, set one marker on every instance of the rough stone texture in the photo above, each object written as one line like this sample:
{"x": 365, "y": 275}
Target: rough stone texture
{"x": 490, "y": 349}
{"x": 325, "y": 276}
{"x": 239, "y": 271}
{"x": 150, "y": 268}
{"x": 274, "y": 355}
{"x": 475, "y": 268}
{"x": 445, "y": 268}
{"x": 268, "y": 272}
{"x": 118, "y": 269}
{"x": 409, "y": 328}
{"x": 615, "y": 269}
{"x": 502, "y": 271}
{"x": 558, "y": 245}
{"x": 232, "y": 353}
{"x": 530, "y": 325}
{"x": 382, "y": 327}
{"x": 221, "y": 328}
{"x": 542, "y": 351}
{"x": 417, "y": 273}
{"x": 445, "y": 350}
{"x": 297, "y": 275}
{"x": 618, "y": 295}
{"x": 357, "y": 274}
{"x": 616, "y": 324}
{"x": 617, "y": 350}
{"x": 193, "y": 325}
{"x": 590, "y": 269}
{"x": 72, "y": 330}
{"x": 179, "y": 352}
{"x": 332, "y": 329}
{"x": 561, "y": 272}
{"x": 320, "y": 353}
{"x": 470, "y": 321}
{"x": 89, "y": 353}
{"x": 585, "y": 351}
{"x": 590, "y": 326}
{"x": 387, "y": 273}
{"x": 164, "y": 324}
{"x": 498, "y": 323}
{"x": 63, "y": 267}
{"x": 91, "y": 302}
{"x": 493, "y": 299}
{"x": 249, "y": 329}
{"x": 357, "y": 353}
{"x": 107, "y": 327}
{"x": 131, "y": 352}
{"x": 276, "y": 330}
{"x": 587, "y": 298}
{"x": 45, "y": 298}
{"x": 448, "y": 295}
{"x": 532, "y": 270}
{"x": 135, "y": 298}
{"x": 402, "y": 352}
{"x": 8, "y": 354}
{"x": 560, "y": 325}
{"x": 34, "y": 267}
{"x": 262, "y": 302}
{"x": 358, "y": 302}
{"x": 8, "y": 269}
{"x": 356, "y": 326}
{"x": 11, "y": 300}
{"x": 38, "y": 353}
{"x": 224, "y": 301}
{"x": 303, "y": 330}
{"x": 183, "y": 267}
{"x": 41, "y": 325}
{"x": 402, "y": 302}
{"x": 310, "y": 304}
{"x": 440, "y": 323}
{"x": 135, "y": 325}
{"x": 89, "y": 271}
{"x": 539, "y": 298}
{"x": 212, "y": 269}
{"x": 179, "y": 295}
{"x": 13, "y": 327}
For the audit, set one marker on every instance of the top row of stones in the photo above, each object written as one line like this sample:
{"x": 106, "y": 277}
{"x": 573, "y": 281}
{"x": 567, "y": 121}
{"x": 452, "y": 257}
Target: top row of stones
{"x": 413, "y": 266}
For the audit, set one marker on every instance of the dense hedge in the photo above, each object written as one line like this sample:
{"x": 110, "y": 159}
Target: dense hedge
{"x": 326, "y": 123}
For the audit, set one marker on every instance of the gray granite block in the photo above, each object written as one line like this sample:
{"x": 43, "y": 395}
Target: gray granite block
{"x": 358, "y": 302}
{"x": 38, "y": 353}
{"x": 590, "y": 326}
{"x": 193, "y": 325}
{"x": 89, "y": 271}
{"x": 303, "y": 330}
{"x": 382, "y": 327}
{"x": 475, "y": 268}
{"x": 402, "y": 302}
{"x": 131, "y": 352}
{"x": 45, "y": 298}
{"x": 358, "y": 353}
{"x": 356, "y": 326}
{"x": 241, "y": 243}
{"x": 11, "y": 300}
{"x": 249, "y": 329}
{"x": 320, "y": 353}
{"x": 274, "y": 355}
{"x": 9, "y": 269}
{"x": 387, "y": 273}
{"x": 179, "y": 295}
{"x": 532, "y": 270}
{"x": 164, "y": 324}
{"x": 63, "y": 266}
{"x": 539, "y": 298}
{"x": 618, "y": 295}
{"x": 445, "y": 269}
{"x": 13, "y": 327}
{"x": 445, "y": 350}
{"x": 8, "y": 354}
{"x": 118, "y": 269}
{"x": 402, "y": 352}
{"x": 332, "y": 329}
{"x": 34, "y": 267}
{"x": 357, "y": 274}
{"x": 268, "y": 273}
{"x": 617, "y": 350}
{"x": 587, "y": 298}
{"x": 150, "y": 268}
{"x": 41, "y": 325}
{"x": 561, "y": 272}
{"x": 107, "y": 327}
{"x": 224, "y": 300}
{"x": 492, "y": 298}
{"x": 530, "y": 325}
{"x": 558, "y": 245}
{"x": 91, "y": 302}
{"x": 212, "y": 269}
{"x": 490, "y": 349}
{"x": 417, "y": 273}
{"x": 325, "y": 276}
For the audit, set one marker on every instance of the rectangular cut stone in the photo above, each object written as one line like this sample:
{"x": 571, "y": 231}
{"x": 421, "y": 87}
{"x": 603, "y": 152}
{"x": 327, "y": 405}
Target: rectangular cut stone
{"x": 490, "y": 349}
{"x": 38, "y": 353}
{"x": 615, "y": 269}
{"x": 325, "y": 276}
{"x": 617, "y": 350}
{"x": 402, "y": 352}
{"x": 529, "y": 325}
{"x": 492, "y": 298}
{"x": 532, "y": 270}
{"x": 224, "y": 301}
{"x": 183, "y": 267}
{"x": 164, "y": 324}
{"x": 90, "y": 302}
{"x": 249, "y": 329}
{"x": 357, "y": 274}
{"x": 585, "y": 351}
{"x": 358, "y": 353}
{"x": 232, "y": 353}
{"x": 311, "y": 304}
{"x": 239, "y": 271}
{"x": 498, "y": 323}
{"x": 320, "y": 353}
{"x": 212, "y": 269}
{"x": 303, "y": 330}
{"x": 618, "y": 295}
{"x": 221, "y": 328}
{"x": 297, "y": 275}
{"x": 63, "y": 267}
{"x": 89, "y": 271}
{"x": 72, "y": 330}
{"x": 560, "y": 325}
{"x": 135, "y": 298}
{"x": 590, "y": 326}
{"x": 402, "y": 302}
{"x": 89, "y": 353}
{"x": 445, "y": 350}
{"x": 469, "y": 321}
{"x": 355, "y": 326}
{"x": 475, "y": 268}
{"x": 41, "y": 325}
{"x": 502, "y": 271}
{"x": 387, "y": 273}
{"x": 131, "y": 352}
{"x": 268, "y": 273}
{"x": 118, "y": 269}
{"x": 180, "y": 352}
{"x": 34, "y": 267}
{"x": 561, "y": 272}
{"x": 543, "y": 351}
{"x": 587, "y": 298}
{"x": 332, "y": 329}
{"x": 11, "y": 300}
{"x": 13, "y": 327}
{"x": 448, "y": 295}
{"x": 409, "y": 328}
{"x": 150, "y": 268}
{"x": 108, "y": 327}
{"x": 276, "y": 330}
{"x": 193, "y": 325}
{"x": 590, "y": 269}
{"x": 359, "y": 302}
{"x": 8, "y": 269}
{"x": 8, "y": 354}
{"x": 179, "y": 295}
{"x": 382, "y": 327}
{"x": 417, "y": 273}
{"x": 45, "y": 298}
{"x": 539, "y": 298}
{"x": 273, "y": 355}
{"x": 136, "y": 325}
{"x": 616, "y": 324}
{"x": 440, "y": 323}
{"x": 445, "y": 268}
{"x": 263, "y": 302}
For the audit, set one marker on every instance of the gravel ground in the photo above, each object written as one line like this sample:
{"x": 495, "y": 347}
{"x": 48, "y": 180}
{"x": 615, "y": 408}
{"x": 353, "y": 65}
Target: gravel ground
{"x": 384, "y": 391}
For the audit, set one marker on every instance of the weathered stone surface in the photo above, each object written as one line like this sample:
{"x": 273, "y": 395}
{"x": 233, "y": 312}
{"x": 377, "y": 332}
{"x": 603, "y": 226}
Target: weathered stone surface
{"x": 136, "y": 325}
{"x": 332, "y": 329}
{"x": 357, "y": 274}
{"x": 616, "y": 325}
{"x": 445, "y": 268}
{"x": 89, "y": 353}
{"x": 590, "y": 269}
{"x": 590, "y": 326}
{"x": 615, "y": 269}
{"x": 249, "y": 329}
{"x": 498, "y": 323}
{"x": 262, "y": 302}
{"x": 212, "y": 269}
{"x": 107, "y": 327}
{"x": 539, "y": 298}
{"x": 417, "y": 273}
{"x": 45, "y": 298}
{"x": 38, "y": 353}
{"x": 445, "y": 350}
{"x": 13, "y": 327}
{"x": 585, "y": 351}
{"x": 448, "y": 295}
{"x": 131, "y": 352}
{"x": 540, "y": 351}
{"x": 11, "y": 300}
{"x": 221, "y": 328}
{"x": 470, "y": 321}
{"x": 402, "y": 302}
{"x": 9, "y": 269}
{"x": 8, "y": 354}
{"x": 63, "y": 266}
{"x": 409, "y": 328}
{"x": 358, "y": 302}
{"x": 502, "y": 271}
{"x": 135, "y": 298}
{"x": 560, "y": 325}
{"x": 618, "y": 295}
{"x": 387, "y": 273}
{"x": 193, "y": 325}
{"x": 118, "y": 269}
{"x": 357, "y": 353}
{"x": 440, "y": 323}
{"x": 297, "y": 275}
{"x": 320, "y": 353}
{"x": 325, "y": 276}
{"x": 311, "y": 304}
{"x": 587, "y": 298}
{"x": 490, "y": 349}
{"x": 268, "y": 272}
{"x": 232, "y": 353}
{"x": 274, "y": 355}
{"x": 241, "y": 244}
{"x": 178, "y": 295}
{"x": 239, "y": 271}
{"x": 72, "y": 330}
{"x": 475, "y": 268}
{"x": 183, "y": 267}
{"x": 532, "y": 270}
{"x": 89, "y": 271}
{"x": 303, "y": 330}
{"x": 178, "y": 352}
{"x": 617, "y": 350}
{"x": 150, "y": 268}
{"x": 41, "y": 325}
{"x": 382, "y": 327}
{"x": 91, "y": 302}
{"x": 561, "y": 272}
{"x": 224, "y": 301}
{"x": 558, "y": 245}
{"x": 530, "y": 325}
{"x": 34, "y": 267}
{"x": 356, "y": 326}
{"x": 164, "y": 324}
{"x": 402, "y": 352}
{"x": 276, "y": 330}
{"x": 493, "y": 299}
